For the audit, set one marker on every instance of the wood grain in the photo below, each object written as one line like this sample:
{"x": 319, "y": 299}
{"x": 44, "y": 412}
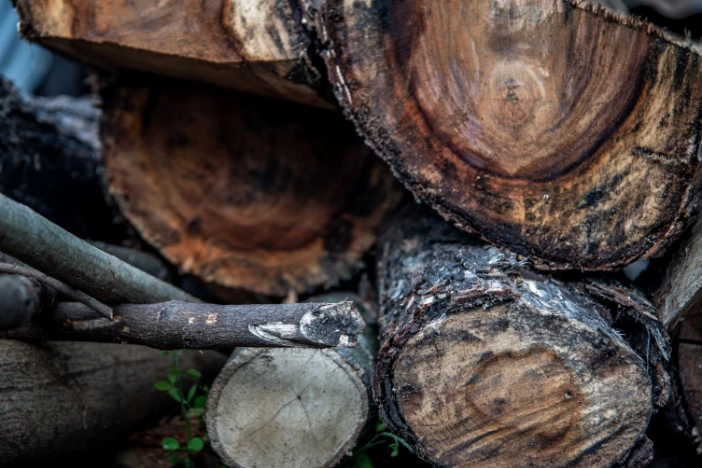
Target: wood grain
{"x": 254, "y": 46}
{"x": 249, "y": 194}
{"x": 557, "y": 129}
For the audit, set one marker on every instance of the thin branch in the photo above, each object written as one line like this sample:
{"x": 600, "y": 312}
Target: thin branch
{"x": 64, "y": 289}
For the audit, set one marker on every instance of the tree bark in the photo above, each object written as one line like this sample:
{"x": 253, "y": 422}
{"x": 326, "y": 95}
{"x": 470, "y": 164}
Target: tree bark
{"x": 49, "y": 161}
{"x": 248, "y": 194}
{"x": 176, "y": 325}
{"x": 560, "y": 130}
{"x": 21, "y": 298}
{"x": 292, "y": 407}
{"x": 484, "y": 362}
{"x": 257, "y": 46}
{"x": 41, "y": 244}
{"x": 59, "y": 398}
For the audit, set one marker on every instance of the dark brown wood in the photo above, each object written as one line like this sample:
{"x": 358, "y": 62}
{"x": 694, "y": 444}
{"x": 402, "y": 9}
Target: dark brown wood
{"x": 293, "y": 408}
{"x": 176, "y": 325}
{"x": 60, "y": 398}
{"x": 690, "y": 374}
{"x": 558, "y": 129}
{"x": 49, "y": 155}
{"x": 248, "y": 194}
{"x": 484, "y": 362}
{"x": 257, "y": 46}
{"x": 41, "y": 244}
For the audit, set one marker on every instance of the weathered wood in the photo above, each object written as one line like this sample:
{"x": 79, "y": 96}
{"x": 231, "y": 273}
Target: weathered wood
{"x": 679, "y": 292}
{"x": 142, "y": 260}
{"x": 292, "y": 407}
{"x": 485, "y": 363}
{"x": 249, "y": 194}
{"x": 49, "y": 161}
{"x": 60, "y": 398}
{"x": 257, "y": 46}
{"x": 557, "y": 129}
{"x": 176, "y": 325}
{"x": 41, "y": 244}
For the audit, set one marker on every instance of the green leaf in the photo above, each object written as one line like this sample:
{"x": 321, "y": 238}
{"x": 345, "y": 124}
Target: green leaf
{"x": 197, "y": 411}
{"x": 188, "y": 463}
{"x": 362, "y": 461}
{"x": 171, "y": 378}
{"x": 174, "y": 460}
{"x": 195, "y": 444}
{"x": 200, "y": 402}
{"x": 380, "y": 427}
{"x": 175, "y": 370}
{"x": 395, "y": 450}
{"x": 175, "y": 394}
{"x": 169, "y": 443}
{"x": 165, "y": 353}
{"x": 162, "y": 386}
{"x": 195, "y": 374}
{"x": 191, "y": 393}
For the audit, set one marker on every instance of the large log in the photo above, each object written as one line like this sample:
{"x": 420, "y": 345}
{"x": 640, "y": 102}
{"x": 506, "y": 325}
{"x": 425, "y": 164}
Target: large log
{"x": 246, "y": 193}
{"x": 558, "y": 129}
{"x": 49, "y": 155}
{"x": 292, "y": 407}
{"x": 176, "y": 325}
{"x": 255, "y": 46}
{"x": 486, "y": 363}
{"x": 59, "y": 398}
{"x": 690, "y": 375}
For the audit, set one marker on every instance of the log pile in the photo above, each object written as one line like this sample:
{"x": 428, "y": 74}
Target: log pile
{"x": 221, "y": 199}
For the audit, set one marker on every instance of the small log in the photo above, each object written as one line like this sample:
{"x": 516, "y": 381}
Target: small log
{"x": 60, "y": 398}
{"x": 49, "y": 155}
{"x": 176, "y": 325}
{"x": 248, "y": 194}
{"x": 292, "y": 407}
{"x": 41, "y": 244}
{"x": 142, "y": 260}
{"x": 558, "y": 129}
{"x": 254, "y": 46}
{"x": 485, "y": 363}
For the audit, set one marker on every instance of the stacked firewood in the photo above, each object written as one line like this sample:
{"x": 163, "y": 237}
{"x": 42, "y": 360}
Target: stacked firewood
{"x": 515, "y": 156}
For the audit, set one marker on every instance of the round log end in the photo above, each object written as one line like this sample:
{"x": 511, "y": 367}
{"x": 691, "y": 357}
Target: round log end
{"x": 244, "y": 193}
{"x": 515, "y": 386}
{"x": 286, "y": 407}
{"x": 557, "y": 129}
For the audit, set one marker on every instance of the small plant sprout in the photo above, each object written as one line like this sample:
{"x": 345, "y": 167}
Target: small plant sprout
{"x": 192, "y": 404}
{"x": 360, "y": 458}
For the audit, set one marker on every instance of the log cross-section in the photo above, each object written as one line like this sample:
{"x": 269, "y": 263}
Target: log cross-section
{"x": 557, "y": 129}
{"x": 484, "y": 363}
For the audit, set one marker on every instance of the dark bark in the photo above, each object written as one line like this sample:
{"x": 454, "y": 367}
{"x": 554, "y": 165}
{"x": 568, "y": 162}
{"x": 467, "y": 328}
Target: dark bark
{"x": 325, "y": 397}
{"x": 55, "y": 252}
{"x": 59, "y": 398}
{"x": 484, "y": 362}
{"x": 21, "y": 298}
{"x": 175, "y": 325}
{"x": 49, "y": 161}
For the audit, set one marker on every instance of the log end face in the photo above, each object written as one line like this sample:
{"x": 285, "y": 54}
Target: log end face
{"x": 283, "y": 407}
{"x": 333, "y": 325}
{"x": 514, "y": 387}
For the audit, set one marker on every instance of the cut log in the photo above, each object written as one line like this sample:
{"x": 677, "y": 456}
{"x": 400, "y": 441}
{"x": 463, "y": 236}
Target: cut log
{"x": 292, "y": 407}
{"x": 48, "y": 248}
{"x": 176, "y": 325}
{"x": 49, "y": 155}
{"x": 248, "y": 194}
{"x": 557, "y": 129}
{"x": 484, "y": 363}
{"x": 690, "y": 374}
{"x": 22, "y": 298}
{"x": 59, "y": 398}
{"x": 679, "y": 292}
{"x": 255, "y": 46}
